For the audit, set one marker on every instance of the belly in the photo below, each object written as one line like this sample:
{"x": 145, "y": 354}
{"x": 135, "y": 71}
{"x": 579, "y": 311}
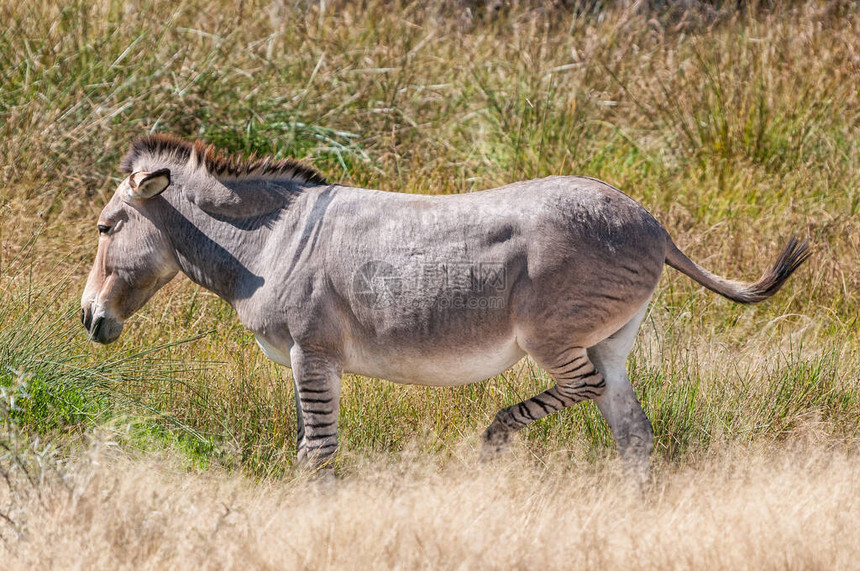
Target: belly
{"x": 452, "y": 368}
{"x": 463, "y": 366}
{"x": 280, "y": 355}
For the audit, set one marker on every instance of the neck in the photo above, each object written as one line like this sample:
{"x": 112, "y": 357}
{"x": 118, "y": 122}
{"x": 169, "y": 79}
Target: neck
{"x": 223, "y": 254}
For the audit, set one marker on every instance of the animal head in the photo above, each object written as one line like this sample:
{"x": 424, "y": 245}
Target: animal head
{"x": 134, "y": 257}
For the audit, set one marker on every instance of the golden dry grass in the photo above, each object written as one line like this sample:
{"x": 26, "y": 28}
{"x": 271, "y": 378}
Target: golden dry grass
{"x": 744, "y": 508}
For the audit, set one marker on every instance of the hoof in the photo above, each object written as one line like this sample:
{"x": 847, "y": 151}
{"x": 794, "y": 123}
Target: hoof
{"x": 636, "y": 459}
{"x": 324, "y": 479}
{"x": 637, "y": 472}
{"x": 319, "y": 459}
{"x": 496, "y": 442}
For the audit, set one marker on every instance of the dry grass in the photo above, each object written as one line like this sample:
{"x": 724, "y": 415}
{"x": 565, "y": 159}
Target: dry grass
{"x": 745, "y": 508}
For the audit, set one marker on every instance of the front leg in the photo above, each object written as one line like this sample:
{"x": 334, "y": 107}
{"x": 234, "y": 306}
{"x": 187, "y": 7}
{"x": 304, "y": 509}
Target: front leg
{"x": 316, "y": 377}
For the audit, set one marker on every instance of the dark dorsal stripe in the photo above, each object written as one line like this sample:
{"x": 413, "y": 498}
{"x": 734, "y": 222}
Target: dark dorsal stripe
{"x": 217, "y": 163}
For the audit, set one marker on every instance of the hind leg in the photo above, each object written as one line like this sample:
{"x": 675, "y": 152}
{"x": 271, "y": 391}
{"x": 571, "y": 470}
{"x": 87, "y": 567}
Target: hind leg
{"x": 630, "y": 427}
{"x": 597, "y": 373}
{"x": 577, "y": 379}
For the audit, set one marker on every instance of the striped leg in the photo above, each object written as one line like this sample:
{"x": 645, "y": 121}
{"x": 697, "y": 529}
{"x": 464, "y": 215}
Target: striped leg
{"x": 317, "y": 382}
{"x": 576, "y": 378}
{"x": 300, "y": 421}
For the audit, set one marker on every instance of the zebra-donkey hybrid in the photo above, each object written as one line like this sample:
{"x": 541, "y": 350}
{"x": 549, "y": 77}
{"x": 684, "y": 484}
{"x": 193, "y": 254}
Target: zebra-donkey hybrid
{"x": 431, "y": 290}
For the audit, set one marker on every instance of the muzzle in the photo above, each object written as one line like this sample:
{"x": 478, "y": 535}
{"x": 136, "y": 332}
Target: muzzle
{"x": 101, "y": 327}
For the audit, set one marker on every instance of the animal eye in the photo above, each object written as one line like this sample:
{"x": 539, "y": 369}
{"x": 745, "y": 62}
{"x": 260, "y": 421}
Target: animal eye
{"x": 104, "y": 229}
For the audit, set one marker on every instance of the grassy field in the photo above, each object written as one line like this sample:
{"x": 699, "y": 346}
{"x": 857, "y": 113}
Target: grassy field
{"x": 736, "y": 130}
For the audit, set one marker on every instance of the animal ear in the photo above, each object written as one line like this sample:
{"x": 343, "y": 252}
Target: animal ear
{"x": 146, "y": 185}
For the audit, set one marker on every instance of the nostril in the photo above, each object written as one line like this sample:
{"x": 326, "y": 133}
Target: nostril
{"x": 86, "y": 318}
{"x": 95, "y": 331}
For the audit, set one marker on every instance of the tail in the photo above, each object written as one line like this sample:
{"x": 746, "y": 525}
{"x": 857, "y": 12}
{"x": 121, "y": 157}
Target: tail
{"x": 792, "y": 256}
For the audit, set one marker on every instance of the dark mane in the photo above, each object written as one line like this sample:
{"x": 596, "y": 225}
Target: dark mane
{"x": 216, "y": 162}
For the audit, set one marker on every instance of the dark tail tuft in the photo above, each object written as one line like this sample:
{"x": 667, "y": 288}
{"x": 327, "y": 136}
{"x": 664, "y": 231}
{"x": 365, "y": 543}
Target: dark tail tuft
{"x": 792, "y": 256}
